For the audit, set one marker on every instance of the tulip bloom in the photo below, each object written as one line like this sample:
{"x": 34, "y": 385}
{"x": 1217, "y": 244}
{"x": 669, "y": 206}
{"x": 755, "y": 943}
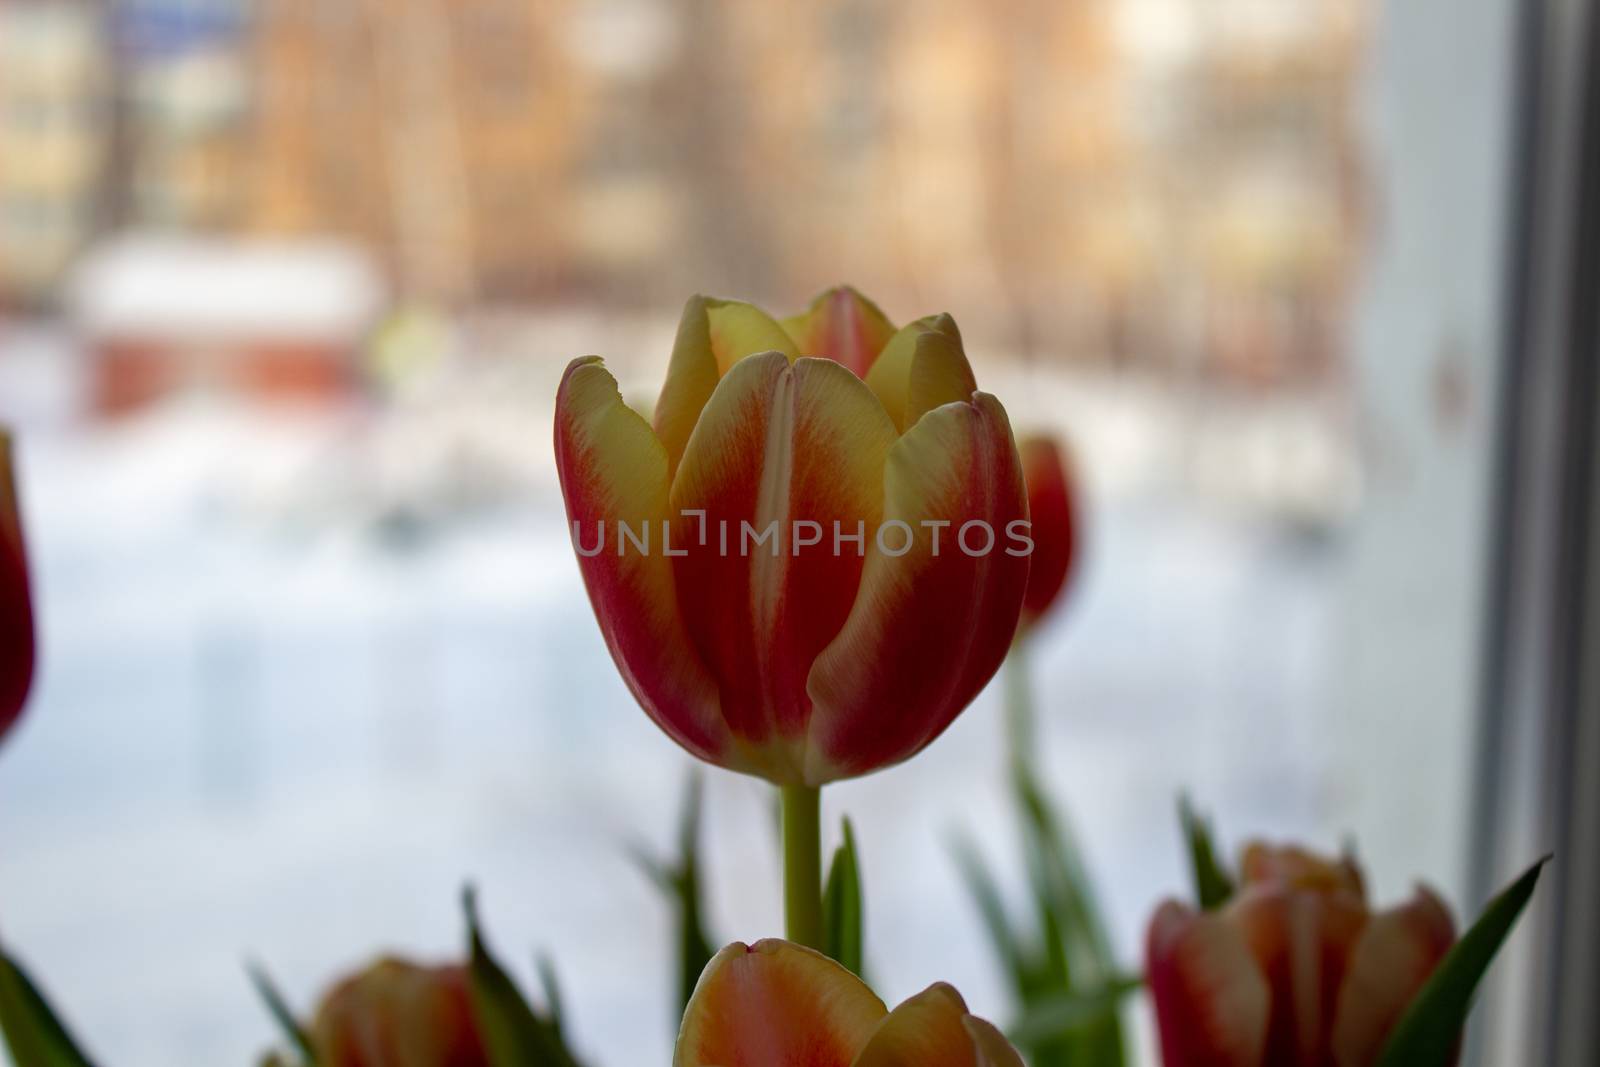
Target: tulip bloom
{"x": 815, "y": 558}
{"x": 776, "y": 1004}
{"x": 1295, "y": 971}
{"x": 16, "y": 603}
{"x": 1055, "y": 524}
{"x": 398, "y": 1014}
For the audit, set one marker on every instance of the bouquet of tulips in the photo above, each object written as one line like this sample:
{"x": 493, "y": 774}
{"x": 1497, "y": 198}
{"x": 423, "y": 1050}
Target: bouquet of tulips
{"x": 817, "y": 552}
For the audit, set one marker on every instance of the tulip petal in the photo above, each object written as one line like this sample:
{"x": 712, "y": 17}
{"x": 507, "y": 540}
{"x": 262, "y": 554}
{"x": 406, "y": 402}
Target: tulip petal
{"x": 1302, "y": 942}
{"x": 791, "y": 454}
{"x": 1050, "y": 509}
{"x": 992, "y": 1047}
{"x": 614, "y": 471}
{"x": 776, "y": 1004}
{"x": 924, "y": 1031}
{"x": 933, "y": 1029}
{"x": 1212, "y": 1002}
{"x": 922, "y": 367}
{"x": 397, "y": 1014}
{"x": 1396, "y": 953}
{"x": 16, "y": 601}
{"x": 841, "y": 325}
{"x": 713, "y": 335}
{"x": 930, "y": 626}
{"x": 1293, "y": 867}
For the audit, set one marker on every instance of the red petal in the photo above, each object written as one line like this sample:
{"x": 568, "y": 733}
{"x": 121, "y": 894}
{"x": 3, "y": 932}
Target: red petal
{"x": 16, "y": 600}
{"x": 613, "y": 471}
{"x": 1211, "y": 1001}
{"x": 1293, "y": 867}
{"x": 395, "y": 1014}
{"x": 776, "y": 447}
{"x": 1393, "y": 958}
{"x": 928, "y": 629}
{"x": 1301, "y": 940}
{"x": 1055, "y": 534}
{"x": 841, "y": 325}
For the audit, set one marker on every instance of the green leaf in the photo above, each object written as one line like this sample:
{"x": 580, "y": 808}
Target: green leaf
{"x": 1061, "y": 882}
{"x": 1050, "y": 1018}
{"x": 514, "y": 1034}
{"x": 33, "y": 1032}
{"x": 663, "y": 876}
{"x": 1061, "y": 879}
{"x": 556, "y": 1004}
{"x": 841, "y": 905}
{"x": 1078, "y": 953}
{"x": 1429, "y": 1031}
{"x": 1071, "y": 952}
{"x": 1212, "y": 885}
{"x": 680, "y": 880}
{"x": 694, "y": 944}
{"x": 991, "y": 908}
{"x": 278, "y": 1008}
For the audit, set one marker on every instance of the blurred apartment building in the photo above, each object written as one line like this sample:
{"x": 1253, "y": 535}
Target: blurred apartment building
{"x": 184, "y": 96}
{"x": 1270, "y": 202}
{"x": 52, "y": 141}
{"x": 1170, "y": 182}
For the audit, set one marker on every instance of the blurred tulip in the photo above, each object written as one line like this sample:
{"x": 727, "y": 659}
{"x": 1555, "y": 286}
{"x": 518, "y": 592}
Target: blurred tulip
{"x": 16, "y": 602}
{"x": 776, "y": 1004}
{"x": 399, "y": 1014}
{"x": 1052, "y": 508}
{"x": 890, "y": 591}
{"x": 1294, "y": 971}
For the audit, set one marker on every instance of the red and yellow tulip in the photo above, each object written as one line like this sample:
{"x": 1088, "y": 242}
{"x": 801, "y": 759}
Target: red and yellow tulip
{"x": 1295, "y": 971}
{"x": 776, "y": 1004}
{"x": 891, "y": 591}
{"x": 16, "y": 602}
{"x": 399, "y": 1014}
{"x": 1054, "y": 514}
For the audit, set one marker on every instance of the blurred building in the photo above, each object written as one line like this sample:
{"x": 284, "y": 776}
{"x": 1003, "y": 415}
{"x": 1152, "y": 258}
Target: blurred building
{"x": 183, "y": 100}
{"x": 52, "y": 140}
{"x": 439, "y": 133}
{"x": 1165, "y": 183}
{"x": 1267, "y": 183}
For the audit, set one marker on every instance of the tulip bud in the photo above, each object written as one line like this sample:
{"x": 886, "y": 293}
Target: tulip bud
{"x": 1053, "y": 513}
{"x": 1294, "y": 970}
{"x": 16, "y": 603}
{"x": 774, "y": 1003}
{"x": 399, "y": 1014}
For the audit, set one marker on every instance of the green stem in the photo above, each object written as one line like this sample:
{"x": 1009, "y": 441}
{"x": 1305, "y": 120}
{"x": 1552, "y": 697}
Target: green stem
{"x": 802, "y": 864}
{"x": 1019, "y": 703}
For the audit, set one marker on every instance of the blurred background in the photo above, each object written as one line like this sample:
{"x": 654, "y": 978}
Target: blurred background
{"x": 286, "y": 287}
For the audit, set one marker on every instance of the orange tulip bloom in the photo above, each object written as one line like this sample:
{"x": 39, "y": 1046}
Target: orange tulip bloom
{"x": 398, "y": 1014}
{"x": 1055, "y": 524}
{"x": 16, "y": 602}
{"x": 776, "y": 1004}
{"x": 815, "y": 558}
{"x": 1295, "y": 971}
